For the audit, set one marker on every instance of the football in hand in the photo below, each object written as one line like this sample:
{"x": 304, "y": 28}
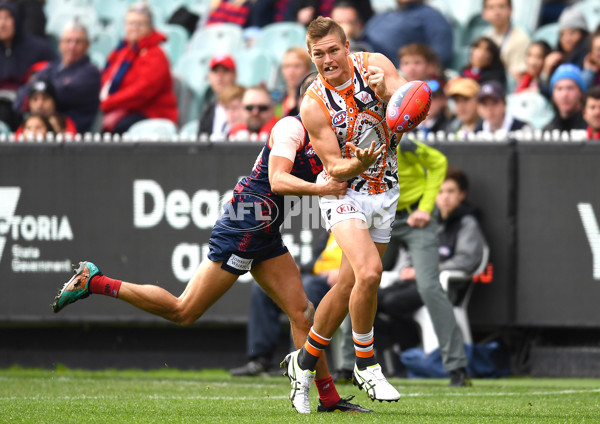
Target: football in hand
{"x": 408, "y": 106}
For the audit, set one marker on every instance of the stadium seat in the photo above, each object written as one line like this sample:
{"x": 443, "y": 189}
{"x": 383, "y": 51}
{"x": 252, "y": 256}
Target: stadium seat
{"x": 111, "y": 11}
{"x": 103, "y": 43}
{"x": 591, "y": 10}
{"x": 548, "y": 33}
{"x": 475, "y": 28}
{"x": 153, "y": 129}
{"x": 531, "y": 107}
{"x": 217, "y": 38}
{"x": 277, "y": 38}
{"x": 84, "y": 15}
{"x": 177, "y": 38}
{"x": 190, "y": 130}
{"x": 4, "y": 128}
{"x": 526, "y": 14}
{"x": 98, "y": 59}
{"x": 258, "y": 68}
{"x": 464, "y": 10}
{"x": 447, "y": 277}
{"x": 192, "y": 68}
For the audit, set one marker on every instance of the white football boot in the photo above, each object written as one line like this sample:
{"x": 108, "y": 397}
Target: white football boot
{"x": 372, "y": 381}
{"x": 301, "y": 380}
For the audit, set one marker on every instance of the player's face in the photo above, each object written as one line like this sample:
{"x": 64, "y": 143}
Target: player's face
{"x": 73, "y": 46}
{"x": 449, "y": 197}
{"x": 42, "y": 104}
{"x": 591, "y": 113}
{"x": 330, "y": 56}
{"x": 567, "y": 97}
{"x": 492, "y": 110}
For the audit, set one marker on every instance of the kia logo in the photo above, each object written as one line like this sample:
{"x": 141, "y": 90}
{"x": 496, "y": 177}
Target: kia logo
{"x": 346, "y": 208}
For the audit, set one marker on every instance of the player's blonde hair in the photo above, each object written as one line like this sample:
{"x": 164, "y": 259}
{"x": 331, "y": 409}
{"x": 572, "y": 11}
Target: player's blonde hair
{"x": 322, "y": 27}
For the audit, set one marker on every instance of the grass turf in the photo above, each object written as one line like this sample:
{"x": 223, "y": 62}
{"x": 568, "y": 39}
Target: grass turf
{"x": 212, "y": 396}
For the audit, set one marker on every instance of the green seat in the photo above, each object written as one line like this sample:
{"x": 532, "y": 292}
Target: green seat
{"x": 548, "y": 33}
{"x": 190, "y": 130}
{"x": 255, "y": 67}
{"x": 217, "y": 38}
{"x": 531, "y": 107}
{"x": 153, "y": 130}
{"x": 177, "y": 38}
{"x": 277, "y": 38}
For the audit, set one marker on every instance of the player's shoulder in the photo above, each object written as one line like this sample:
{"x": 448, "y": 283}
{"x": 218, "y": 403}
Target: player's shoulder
{"x": 289, "y": 123}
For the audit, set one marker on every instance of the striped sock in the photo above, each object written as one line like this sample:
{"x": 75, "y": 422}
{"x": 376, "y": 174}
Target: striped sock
{"x": 312, "y": 350}
{"x": 363, "y": 346}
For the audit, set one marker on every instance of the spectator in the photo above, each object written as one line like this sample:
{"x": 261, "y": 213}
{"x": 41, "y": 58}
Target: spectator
{"x": 41, "y": 100}
{"x": 511, "y": 40}
{"x": 259, "y": 115}
{"x": 463, "y": 92}
{"x": 264, "y": 326}
{"x": 591, "y": 62}
{"x": 461, "y": 247}
{"x": 36, "y": 126}
{"x": 439, "y": 115}
{"x": 348, "y": 16}
{"x": 231, "y": 99}
{"x": 222, "y": 75}
{"x": 18, "y": 53}
{"x": 295, "y": 65}
{"x": 485, "y": 63}
{"x": 492, "y": 108}
{"x": 32, "y": 16}
{"x": 75, "y": 78}
{"x": 567, "y": 88}
{"x": 412, "y": 22}
{"x": 418, "y": 62}
{"x": 573, "y": 43}
{"x": 591, "y": 112}
{"x": 534, "y": 63}
{"x": 137, "y": 82}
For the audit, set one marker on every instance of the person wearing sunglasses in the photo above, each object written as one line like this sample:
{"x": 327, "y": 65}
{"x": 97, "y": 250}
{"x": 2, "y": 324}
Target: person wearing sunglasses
{"x": 259, "y": 116}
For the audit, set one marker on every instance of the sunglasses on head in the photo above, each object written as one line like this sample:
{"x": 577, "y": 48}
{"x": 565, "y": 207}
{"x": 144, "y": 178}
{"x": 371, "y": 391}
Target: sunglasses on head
{"x": 261, "y": 108}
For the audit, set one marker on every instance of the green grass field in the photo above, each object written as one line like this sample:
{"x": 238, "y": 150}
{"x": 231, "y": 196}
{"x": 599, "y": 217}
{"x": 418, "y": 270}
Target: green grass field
{"x": 212, "y": 396}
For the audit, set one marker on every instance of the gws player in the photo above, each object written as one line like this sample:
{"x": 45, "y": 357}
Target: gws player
{"x": 286, "y": 165}
{"x": 344, "y": 114}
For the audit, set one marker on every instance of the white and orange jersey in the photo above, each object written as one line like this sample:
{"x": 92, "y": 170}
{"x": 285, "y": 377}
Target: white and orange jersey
{"x": 357, "y": 115}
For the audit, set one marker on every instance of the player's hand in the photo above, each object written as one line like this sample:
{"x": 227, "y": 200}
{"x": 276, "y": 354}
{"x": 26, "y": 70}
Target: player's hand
{"x": 376, "y": 80}
{"x": 419, "y": 218}
{"x": 366, "y": 156}
{"x": 334, "y": 187}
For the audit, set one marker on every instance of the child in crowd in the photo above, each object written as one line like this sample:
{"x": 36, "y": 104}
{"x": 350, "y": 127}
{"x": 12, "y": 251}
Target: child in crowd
{"x": 35, "y": 126}
{"x": 418, "y": 62}
{"x": 536, "y": 53}
{"x": 485, "y": 64}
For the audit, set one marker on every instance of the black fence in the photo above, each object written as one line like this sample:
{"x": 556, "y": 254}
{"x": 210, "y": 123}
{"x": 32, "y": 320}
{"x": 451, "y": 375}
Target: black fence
{"x": 143, "y": 212}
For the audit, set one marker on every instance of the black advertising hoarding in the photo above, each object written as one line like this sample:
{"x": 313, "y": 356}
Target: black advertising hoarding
{"x": 558, "y": 242}
{"x": 142, "y": 212}
{"x": 489, "y": 168}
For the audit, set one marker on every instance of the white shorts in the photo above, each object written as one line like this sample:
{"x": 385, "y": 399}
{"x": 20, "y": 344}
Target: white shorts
{"x": 376, "y": 211}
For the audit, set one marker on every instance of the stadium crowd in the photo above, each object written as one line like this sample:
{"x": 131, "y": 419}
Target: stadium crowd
{"x": 168, "y": 67}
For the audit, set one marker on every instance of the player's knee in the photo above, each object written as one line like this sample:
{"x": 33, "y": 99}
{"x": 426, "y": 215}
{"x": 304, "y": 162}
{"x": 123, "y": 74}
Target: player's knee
{"x": 369, "y": 278}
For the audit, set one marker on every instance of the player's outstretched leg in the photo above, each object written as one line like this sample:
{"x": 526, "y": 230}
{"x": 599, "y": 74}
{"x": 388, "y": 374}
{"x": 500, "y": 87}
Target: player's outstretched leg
{"x": 78, "y": 287}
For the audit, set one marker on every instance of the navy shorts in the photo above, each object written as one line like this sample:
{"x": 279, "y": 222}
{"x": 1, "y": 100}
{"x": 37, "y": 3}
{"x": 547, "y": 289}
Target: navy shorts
{"x": 239, "y": 251}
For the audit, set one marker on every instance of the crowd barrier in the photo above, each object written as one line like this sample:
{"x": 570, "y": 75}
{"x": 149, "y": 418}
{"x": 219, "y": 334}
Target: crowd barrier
{"x": 143, "y": 212}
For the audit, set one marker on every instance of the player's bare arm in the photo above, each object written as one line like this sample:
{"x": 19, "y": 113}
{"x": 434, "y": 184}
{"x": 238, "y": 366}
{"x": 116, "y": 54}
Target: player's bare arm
{"x": 383, "y": 76}
{"x": 326, "y": 144}
{"x": 283, "y": 182}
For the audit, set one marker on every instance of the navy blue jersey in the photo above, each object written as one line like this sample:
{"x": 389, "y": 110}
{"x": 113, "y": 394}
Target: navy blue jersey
{"x": 250, "y": 222}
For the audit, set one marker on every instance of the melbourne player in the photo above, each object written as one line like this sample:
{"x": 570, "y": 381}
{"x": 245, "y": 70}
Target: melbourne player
{"x": 344, "y": 114}
{"x": 242, "y": 242}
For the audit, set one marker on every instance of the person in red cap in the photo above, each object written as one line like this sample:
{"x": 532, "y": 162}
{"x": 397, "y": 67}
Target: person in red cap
{"x": 213, "y": 119}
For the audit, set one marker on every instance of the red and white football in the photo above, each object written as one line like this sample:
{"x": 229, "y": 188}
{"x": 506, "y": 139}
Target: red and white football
{"x": 408, "y": 106}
